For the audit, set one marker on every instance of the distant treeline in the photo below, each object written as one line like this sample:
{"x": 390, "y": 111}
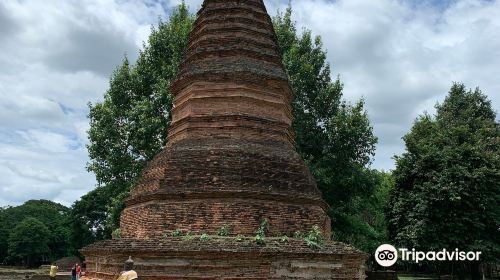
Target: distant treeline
{"x": 37, "y": 231}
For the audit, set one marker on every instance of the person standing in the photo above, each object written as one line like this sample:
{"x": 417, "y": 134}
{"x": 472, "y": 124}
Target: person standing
{"x": 73, "y": 273}
{"x": 53, "y": 271}
{"x": 78, "y": 271}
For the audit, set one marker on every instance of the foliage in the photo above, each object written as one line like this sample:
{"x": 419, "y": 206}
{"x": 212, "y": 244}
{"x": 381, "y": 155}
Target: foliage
{"x": 239, "y": 238}
{"x": 29, "y": 240}
{"x": 298, "y": 235}
{"x": 205, "y": 237}
{"x": 129, "y": 127}
{"x": 263, "y": 228}
{"x": 260, "y": 234}
{"x": 52, "y": 215}
{"x": 448, "y": 179}
{"x": 188, "y": 236}
{"x": 117, "y": 234}
{"x": 333, "y": 136}
{"x": 88, "y": 218}
{"x": 224, "y": 230}
{"x": 177, "y": 233}
{"x": 4, "y": 233}
{"x": 260, "y": 239}
{"x": 366, "y": 225}
{"x": 314, "y": 238}
{"x": 284, "y": 239}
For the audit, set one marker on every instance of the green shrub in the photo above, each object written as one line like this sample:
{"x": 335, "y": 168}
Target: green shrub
{"x": 314, "y": 238}
{"x": 205, "y": 237}
{"x": 260, "y": 236}
{"x": 188, "y": 237}
{"x": 177, "y": 233}
{"x": 298, "y": 235}
{"x": 239, "y": 237}
{"x": 261, "y": 240}
{"x": 224, "y": 231}
{"x": 284, "y": 239}
{"x": 117, "y": 234}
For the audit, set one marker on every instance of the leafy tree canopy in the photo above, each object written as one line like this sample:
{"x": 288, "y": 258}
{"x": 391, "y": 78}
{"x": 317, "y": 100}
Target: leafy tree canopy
{"x": 448, "y": 181}
{"x": 52, "y": 215}
{"x": 29, "y": 240}
{"x": 333, "y": 136}
{"x": 130, "y": 126}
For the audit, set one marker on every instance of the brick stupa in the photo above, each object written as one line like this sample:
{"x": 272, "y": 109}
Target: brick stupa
{"x": 230, "y": 162}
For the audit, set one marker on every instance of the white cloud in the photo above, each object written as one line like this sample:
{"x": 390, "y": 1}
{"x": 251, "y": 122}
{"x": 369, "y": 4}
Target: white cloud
{"x": 402, "y": 56}
{"x": 55, "y": 56}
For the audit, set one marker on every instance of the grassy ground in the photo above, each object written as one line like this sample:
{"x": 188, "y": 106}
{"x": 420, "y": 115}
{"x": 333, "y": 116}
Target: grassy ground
{"x": 19, "y": 273}
{"x": 414, "y": 278}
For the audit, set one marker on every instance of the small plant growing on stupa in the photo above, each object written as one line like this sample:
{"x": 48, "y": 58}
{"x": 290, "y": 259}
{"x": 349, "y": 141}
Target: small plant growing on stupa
{"x": 284, "y": 239}
{"x": 205, "y": 237}
{"x": 239, "y": 238}
{"x": 117, "y": 234}
{"x": 224, "y": 230}
{"x": 188, "y": 237}
{"x": 177, "y": 233}
{"x": 260, "y": 234}
{"x": 314, "y": 238}
{"x": 298, "y": 235}
{"x": 261, "y": 240}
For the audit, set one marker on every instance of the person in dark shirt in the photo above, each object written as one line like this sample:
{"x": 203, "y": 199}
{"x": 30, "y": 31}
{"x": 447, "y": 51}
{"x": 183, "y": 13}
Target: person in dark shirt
{"x": 73, "y": 273}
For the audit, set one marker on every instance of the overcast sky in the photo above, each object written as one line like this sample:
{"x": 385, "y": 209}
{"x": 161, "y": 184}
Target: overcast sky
{"x": 401, "y": 56}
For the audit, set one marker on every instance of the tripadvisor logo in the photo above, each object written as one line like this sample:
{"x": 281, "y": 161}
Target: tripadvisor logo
{"x": 387, "y": 255}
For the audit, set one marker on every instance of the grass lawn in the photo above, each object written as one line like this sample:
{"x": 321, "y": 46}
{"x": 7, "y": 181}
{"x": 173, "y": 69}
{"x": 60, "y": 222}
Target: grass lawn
{"x": 414, "y": 278}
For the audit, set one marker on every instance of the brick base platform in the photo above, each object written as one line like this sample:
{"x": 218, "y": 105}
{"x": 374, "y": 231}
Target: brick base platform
{"x": 224, "y": 258}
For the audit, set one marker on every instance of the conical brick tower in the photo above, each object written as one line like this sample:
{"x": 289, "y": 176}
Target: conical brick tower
{"x": 230, "y": 163}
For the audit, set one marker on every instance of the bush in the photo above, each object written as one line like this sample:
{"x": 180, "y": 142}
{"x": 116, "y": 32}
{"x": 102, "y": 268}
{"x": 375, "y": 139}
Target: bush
{"x": 224, "y": 231}
{"x": 188, "y": 237}
{"x": 205, "y": 237}
{"x": 239, "y": 238}
{"x": 314, "y": 238}
{"x": 117, "y": 234}
{"x": 260, "y": 236}
{"x": 177, "y": 233}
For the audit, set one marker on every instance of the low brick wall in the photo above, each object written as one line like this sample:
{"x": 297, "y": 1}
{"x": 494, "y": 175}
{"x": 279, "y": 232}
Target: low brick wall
{"x": 224, "y": 259}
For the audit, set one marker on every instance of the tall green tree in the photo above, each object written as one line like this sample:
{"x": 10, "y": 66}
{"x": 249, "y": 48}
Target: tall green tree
{"x": 130, "y": 126}
{"x": 29, "y": 241}
{"x": 334, "y": 137}
{"x": 88, "y": 218}
{"x": 365, "y": 224}
{"x": 448, "y": 180}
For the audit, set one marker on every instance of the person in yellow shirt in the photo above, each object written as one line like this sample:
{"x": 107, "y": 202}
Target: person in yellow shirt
{"x": 53, "y": 271}
{"x": 128, "y": 273}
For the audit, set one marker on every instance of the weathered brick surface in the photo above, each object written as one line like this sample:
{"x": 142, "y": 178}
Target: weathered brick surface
{"x": 203, "y": 185}
{"x": 224, "y": 258}
{"x": 230, "y": 160}
{"x": 206, "y": 215}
